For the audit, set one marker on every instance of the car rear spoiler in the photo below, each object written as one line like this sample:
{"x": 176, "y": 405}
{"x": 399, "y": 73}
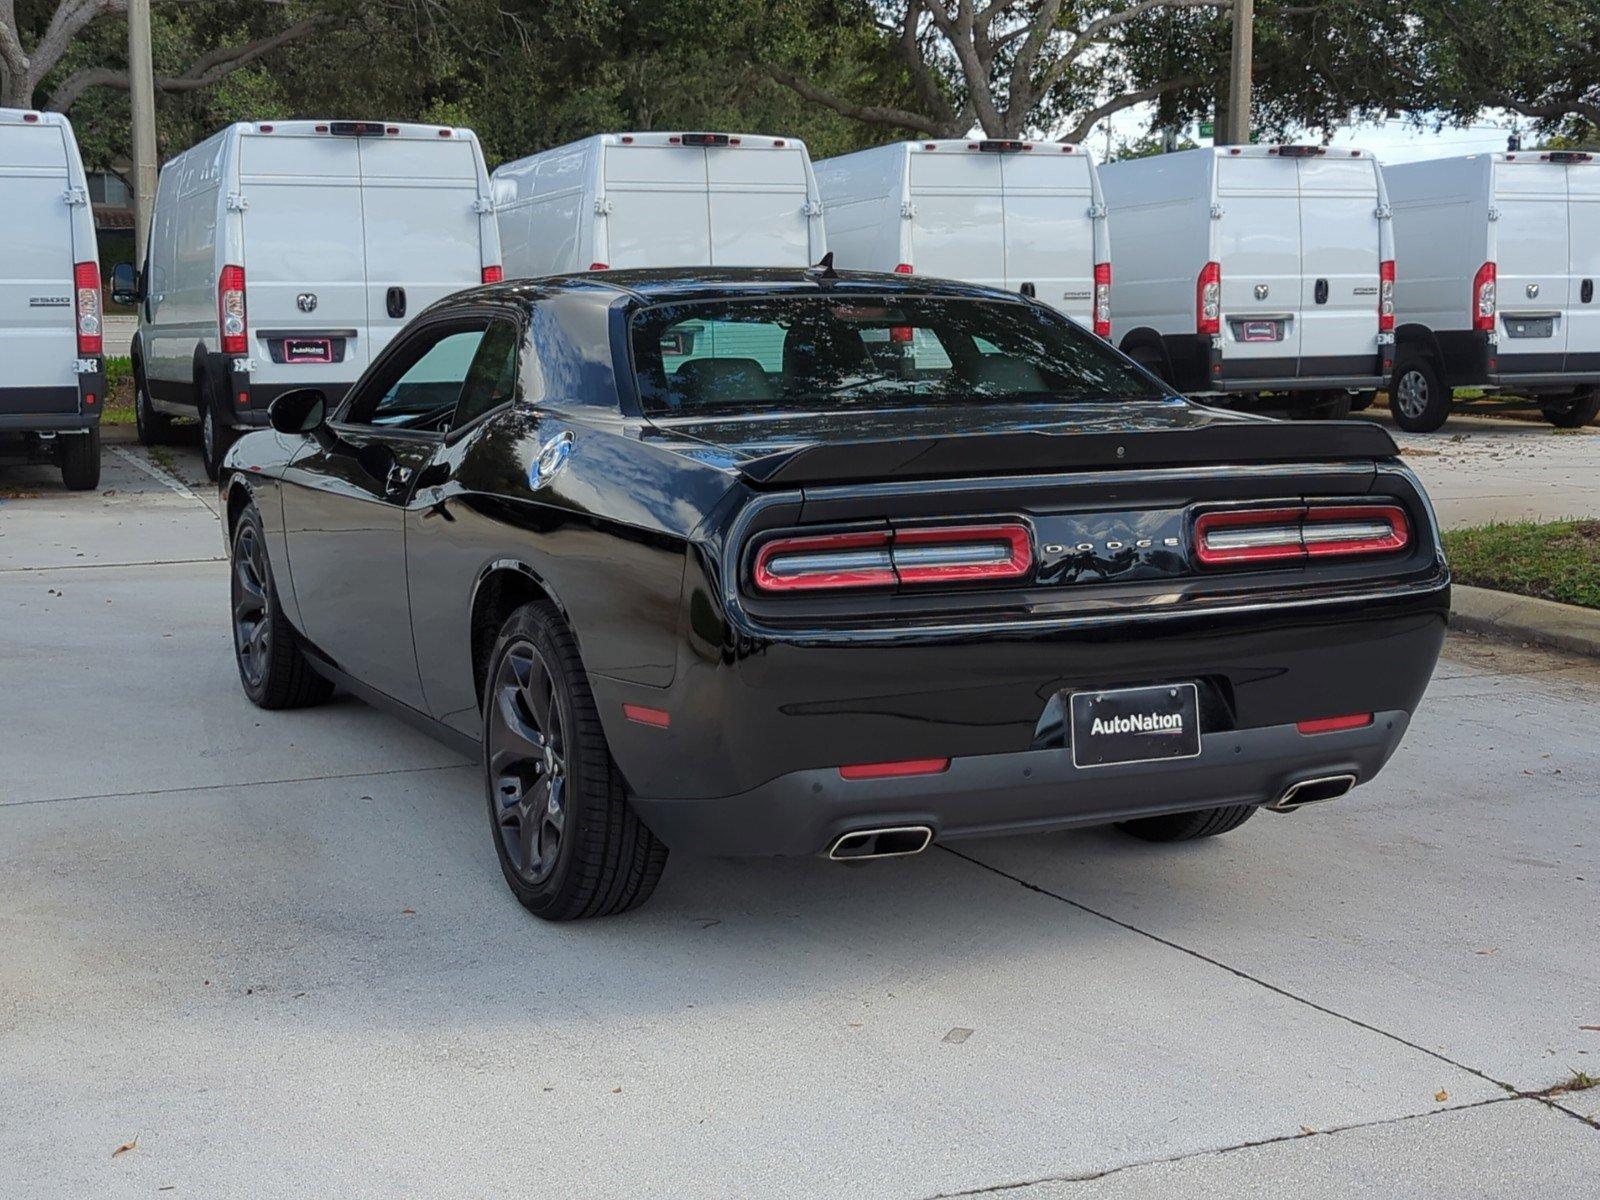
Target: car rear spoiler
{"x": 1041, "y": 452}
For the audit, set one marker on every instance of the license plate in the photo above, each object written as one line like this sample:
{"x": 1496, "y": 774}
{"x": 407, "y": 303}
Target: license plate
{"x": 1261, "y": 331}
{"x": 1129, "y": 725}
{"x": 1530, "y": 327}
{"x": 308, "y": 350}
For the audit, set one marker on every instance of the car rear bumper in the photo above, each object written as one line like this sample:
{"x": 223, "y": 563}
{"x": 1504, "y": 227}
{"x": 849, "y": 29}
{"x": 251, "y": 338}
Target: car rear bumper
{"x": 805, "y": 812}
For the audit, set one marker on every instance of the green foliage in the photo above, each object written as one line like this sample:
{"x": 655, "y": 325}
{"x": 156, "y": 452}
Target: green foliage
{"x": 1554, "y": 560}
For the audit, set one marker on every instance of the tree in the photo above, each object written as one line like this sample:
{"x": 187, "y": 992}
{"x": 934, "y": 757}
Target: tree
{"x": 32, "y": 47}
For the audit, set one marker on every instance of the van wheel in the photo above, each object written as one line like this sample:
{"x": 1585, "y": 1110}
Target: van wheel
{"x": 1574, "y": 412}
{"x": 154, "y": 428}
{"x": 1151, "y": 360}
{"x": 1418, "y": 399}
{"x": 569, "y": 843}
{"x": 80, "y": 460}
{"x": 215, "y": 435}
{"x": 1186, "y": 827}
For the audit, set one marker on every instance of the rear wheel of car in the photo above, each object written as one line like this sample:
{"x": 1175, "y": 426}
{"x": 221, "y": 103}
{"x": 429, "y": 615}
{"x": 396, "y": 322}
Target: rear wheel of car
{"x": 272, "y": 666}
{"x": 1186, "y": 827}
{"x": 569, "y": 843}
{"x": 154, "y": 428}
{"x": 80, "y": 459}
{"x": 1418, "y": 399}
{"x": 1575, "y": 411}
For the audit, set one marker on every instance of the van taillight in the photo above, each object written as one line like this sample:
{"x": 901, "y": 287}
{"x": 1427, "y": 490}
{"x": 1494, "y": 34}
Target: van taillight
{"x": 230, "y": 310}
{"x": 599, "y": 266}
{"x": 86, "y": 286}
{"x": 1386, "y": 296}
{"x": 1208, "y": 299}
{"x": 1483, "y": 297}
{"x": 493, "y": 273}
{"x": 1102, "y": 299}
{"x": 902, "y": 268}
{"x": 1315, "y": 531}
{"x": 884, "y": 558}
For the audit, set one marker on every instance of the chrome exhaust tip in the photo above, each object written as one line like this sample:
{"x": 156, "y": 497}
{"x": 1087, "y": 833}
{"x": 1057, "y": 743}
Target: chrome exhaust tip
{"x": 896, "y": 841}
{"x": 1310, "y": 791}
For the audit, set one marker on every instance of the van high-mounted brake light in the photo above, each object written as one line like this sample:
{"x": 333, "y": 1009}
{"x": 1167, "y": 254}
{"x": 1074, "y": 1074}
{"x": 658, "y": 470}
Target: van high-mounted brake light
{"x": 1483, "y": 297}
{"x": 356, "y": 128}
{"x": 998, "y": 146}
{"x": 231, "y": 321}
{"x": 884, "y": 558}
{"x": 707, "y": 139}
{"x": 1254, "y": 535}
{"x": 1298, "y": 151}
{"x": 86, "y": 289}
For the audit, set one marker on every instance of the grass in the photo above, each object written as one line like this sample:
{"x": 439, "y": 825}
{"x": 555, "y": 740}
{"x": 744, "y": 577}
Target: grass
{"x": 1554, "y": 560}
{"x": 119, "y": 393}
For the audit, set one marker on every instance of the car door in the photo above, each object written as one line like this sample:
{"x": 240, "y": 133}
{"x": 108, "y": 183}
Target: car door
{"x": 346, "y": 495}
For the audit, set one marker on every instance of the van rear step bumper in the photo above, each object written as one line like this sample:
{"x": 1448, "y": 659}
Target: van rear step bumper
{"x": 50, "y": 408}
{"x": 1354, "y": 372}
{"x": 807, "y": 812}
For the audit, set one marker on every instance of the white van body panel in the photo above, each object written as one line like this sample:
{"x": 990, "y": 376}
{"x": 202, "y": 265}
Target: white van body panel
{"x": 1298, "y": 240}
{"x": 46, "y": 227}
{"x": 1533, "y": 216}
{"x": 650, "y": 200}
{"x": 324, "y": 225}
{"x": 950, "y": 210}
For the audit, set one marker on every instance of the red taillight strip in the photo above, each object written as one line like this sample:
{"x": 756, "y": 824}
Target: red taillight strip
{"x": 232, "y": 320}
{"x": 1335, "y": 724}
{"x": 1267, "y": 534}
{"x": 1356, "y": 529}
{"x": 884, "y": 558}
{"x": 896, "y": 770}
{"x": 86, "y": 285}
{"x": 841, "y": 560}
{"x": 918, "y": 562}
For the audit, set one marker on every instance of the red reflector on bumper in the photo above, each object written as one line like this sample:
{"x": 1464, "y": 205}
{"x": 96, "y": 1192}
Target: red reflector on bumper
{"x": 1335, "y": 724}
{"x": 638, "y": 713}
{"x": 896, "y": 770}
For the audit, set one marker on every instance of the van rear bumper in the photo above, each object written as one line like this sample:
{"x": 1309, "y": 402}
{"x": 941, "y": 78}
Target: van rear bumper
{"x": 1355, "y": 372}
{"x": 23, "y": 409}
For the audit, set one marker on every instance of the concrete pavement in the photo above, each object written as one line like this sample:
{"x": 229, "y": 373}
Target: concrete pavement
{"x": 276, "y": 950}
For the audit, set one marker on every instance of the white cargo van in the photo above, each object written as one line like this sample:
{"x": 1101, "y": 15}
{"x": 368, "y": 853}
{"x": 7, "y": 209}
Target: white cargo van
{"x": 1027, "y": 216}
{"x": 619, "y": 200}
{"x": 52, "y": 374}
{"x": 1244, "y": 270}
{"x": 1499, "y": 258}
{"x": 286, "y": 254}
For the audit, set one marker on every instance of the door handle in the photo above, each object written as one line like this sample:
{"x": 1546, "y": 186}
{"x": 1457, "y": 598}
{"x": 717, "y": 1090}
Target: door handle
{"x": 395, "y": 302}
{"x": 1322, "y": 291}
{"x": 1586, "y": 291}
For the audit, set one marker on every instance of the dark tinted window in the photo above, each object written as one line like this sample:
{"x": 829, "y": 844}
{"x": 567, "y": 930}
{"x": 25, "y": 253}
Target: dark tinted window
{"x": 838, "y": 352}
{"x": 492, "y": 377}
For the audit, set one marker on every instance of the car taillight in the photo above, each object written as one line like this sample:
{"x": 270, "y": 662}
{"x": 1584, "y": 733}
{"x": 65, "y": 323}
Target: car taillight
{"x": 1386, "y": 296}
{"x": 1102, "y": 299}
{"x": 885, "y": 558}
{"x": 230, "y": 310}
{"x": 1208, "y": 299}
{"x": 1285, "y": 534}
{"x": 1483, "y": 297}
{"x": 493, "y": 273}
{"x": 86, "y": 284}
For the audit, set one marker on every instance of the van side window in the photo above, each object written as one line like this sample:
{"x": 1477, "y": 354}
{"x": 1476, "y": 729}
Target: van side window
{"x": 492, "y": 377}
{"x": 422, "y": 385}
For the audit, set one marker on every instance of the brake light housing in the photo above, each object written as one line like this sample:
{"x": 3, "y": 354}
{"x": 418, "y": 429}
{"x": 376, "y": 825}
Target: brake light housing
{"x": 1386, "y": 296}
{"x": 493, "y": 273}
{"x": 1483, "y": 297}
{"x": 232, "y": 323}
{"x": 1208, "y": 300}
{"x": 86, "y": 293}
{"x": 890, "y": 558}
{"x": 1298, "y": 533}
{"x": 1102, "y": 299}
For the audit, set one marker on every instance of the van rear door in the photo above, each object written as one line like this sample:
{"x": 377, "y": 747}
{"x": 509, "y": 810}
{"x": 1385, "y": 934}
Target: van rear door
{"x": 959, "y": 228}
{"x": 423, "y": 235}
{"x": 757, "y": 197}
{"x": 1049, "y": 235}
{"x": 305, "y": 269}
{"x": 1583, "y": 257}
{"x": 1339, "y": 255}
{"x": 38, "y": 335}
{"x": 1532, "y": 258}
{"x": 657, "y": 206}
{"x": 1258, "y": 248}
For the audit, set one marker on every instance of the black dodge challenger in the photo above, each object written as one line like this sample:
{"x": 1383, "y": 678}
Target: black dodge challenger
{"x": 796, "y": 562}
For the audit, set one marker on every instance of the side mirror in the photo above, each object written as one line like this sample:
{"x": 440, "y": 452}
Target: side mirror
{"x": 300, "y": 412}
{"x": 125, "y": 284}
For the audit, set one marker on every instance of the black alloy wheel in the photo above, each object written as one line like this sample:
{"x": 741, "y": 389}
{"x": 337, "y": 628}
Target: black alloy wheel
{"x": 252, "y": 606}
{"x": 527, "y": 762}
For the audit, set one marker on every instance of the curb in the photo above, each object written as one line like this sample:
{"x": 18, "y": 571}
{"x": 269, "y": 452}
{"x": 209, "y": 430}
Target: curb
{"x": 1526, "y": 618}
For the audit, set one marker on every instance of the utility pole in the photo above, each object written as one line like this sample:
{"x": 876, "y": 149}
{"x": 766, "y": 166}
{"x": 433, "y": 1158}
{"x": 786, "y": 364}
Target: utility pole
{"x": 1244, "y": 19}
{"x": 142, "y": 95}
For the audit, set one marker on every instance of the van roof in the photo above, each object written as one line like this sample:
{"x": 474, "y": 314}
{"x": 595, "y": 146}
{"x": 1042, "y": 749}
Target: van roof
{"x": 757, "y": 141}
{"x": 988, "y": 145}
{"x": 27, "y": 116}
{"x": 339, "y": 127}
{"x": 1284, "y": 150}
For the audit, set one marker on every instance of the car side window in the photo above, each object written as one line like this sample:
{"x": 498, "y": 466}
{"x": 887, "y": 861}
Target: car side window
{"x": 421, "y": 388}
{"x": 492, "y": 378}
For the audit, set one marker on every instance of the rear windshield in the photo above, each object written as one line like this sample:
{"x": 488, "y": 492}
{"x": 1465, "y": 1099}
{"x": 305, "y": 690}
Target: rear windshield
{"x": 860, "y": 353}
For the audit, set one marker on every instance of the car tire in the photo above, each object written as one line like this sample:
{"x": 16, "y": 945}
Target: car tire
{"x": 80, "y": 459}
{"x": 569, "y": 843}
{"x": 1187, "y": 826}
{"x": 272, "y": 665}
{"x": 1321, "y": 406}
{"x": 216, "y": 435}
{"x": 155, "y": 429}
{"x": 1574, "y": 412}
{"x": 1418, "y": 399}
